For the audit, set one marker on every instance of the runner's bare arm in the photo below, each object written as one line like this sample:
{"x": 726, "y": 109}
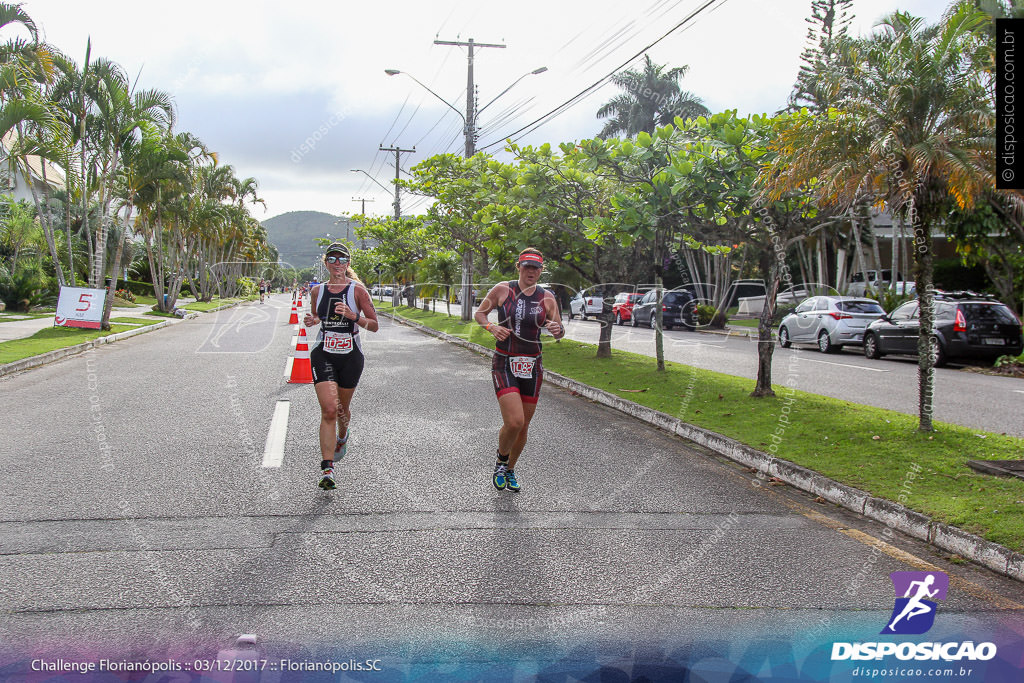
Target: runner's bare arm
{"x": 311, "y": 318}
{"x": 368, "y": 320}
{"x": 494, "y": 298}
{"x": 554, "y": 316}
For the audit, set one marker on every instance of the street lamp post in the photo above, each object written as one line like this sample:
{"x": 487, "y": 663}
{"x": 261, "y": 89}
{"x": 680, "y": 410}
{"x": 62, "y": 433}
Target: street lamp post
{"x": 469, "y": 120}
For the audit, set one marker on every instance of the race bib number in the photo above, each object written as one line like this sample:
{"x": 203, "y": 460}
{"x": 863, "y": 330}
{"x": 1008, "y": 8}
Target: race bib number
{"x": 522, "y": 366}
{"x": 336, "y": 342}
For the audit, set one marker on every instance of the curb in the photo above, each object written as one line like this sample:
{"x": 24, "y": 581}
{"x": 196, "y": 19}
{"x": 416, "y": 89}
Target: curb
{"x": 57, "y": 354}
{"x": 996, "y": 557}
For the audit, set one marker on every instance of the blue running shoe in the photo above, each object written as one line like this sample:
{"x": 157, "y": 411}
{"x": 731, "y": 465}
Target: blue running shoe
{"x": 511, "y": 483}
{"x": 499, "y": 476}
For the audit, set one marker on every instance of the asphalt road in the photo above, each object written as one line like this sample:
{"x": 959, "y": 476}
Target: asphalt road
{"x": 137, "y": 515}
{"x": 981, "y": 401}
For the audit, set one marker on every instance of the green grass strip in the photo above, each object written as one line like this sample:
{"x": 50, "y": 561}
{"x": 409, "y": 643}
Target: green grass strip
{"x": 53, "y": 338}
{"x": 15, "y": 317}
{"x": 209, "y": 305}
{"x": 137, "y": 321}
{"x": 831, "y": 436}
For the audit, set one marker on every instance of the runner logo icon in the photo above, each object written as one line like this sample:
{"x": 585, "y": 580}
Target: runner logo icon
{"x": 914, "y": 611}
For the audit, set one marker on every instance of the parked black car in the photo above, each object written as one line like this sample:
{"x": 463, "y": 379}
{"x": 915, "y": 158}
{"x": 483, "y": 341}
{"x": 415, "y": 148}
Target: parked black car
{"x": 967, "y": 325}
{"x": 679, "y": 307}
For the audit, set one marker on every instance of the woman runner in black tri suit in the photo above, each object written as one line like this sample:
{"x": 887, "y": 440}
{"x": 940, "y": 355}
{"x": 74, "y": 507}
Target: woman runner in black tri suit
{"x": 524, "y": 308}
{"x": 340, "y": 306}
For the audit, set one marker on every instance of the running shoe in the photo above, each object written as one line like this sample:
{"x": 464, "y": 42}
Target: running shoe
{"x": 511, "y": 483}
{"x": 342, "y": 447}
{"x": 499, "y": 476}
{"x": 327, "y": 479}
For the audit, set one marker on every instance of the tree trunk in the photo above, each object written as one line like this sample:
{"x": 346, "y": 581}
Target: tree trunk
{"x": 604, "y": 340}
{"x": 659, "y": 341}
{"x": 765, "y": 343}
{"x": 926, "y": 297}
{"x": 895, "y": 256}
{"x": 67, "y": 213}
{"x": 105, "y": 324}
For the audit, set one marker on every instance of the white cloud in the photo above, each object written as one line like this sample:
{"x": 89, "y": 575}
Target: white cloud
{"x": 256, "y": 79}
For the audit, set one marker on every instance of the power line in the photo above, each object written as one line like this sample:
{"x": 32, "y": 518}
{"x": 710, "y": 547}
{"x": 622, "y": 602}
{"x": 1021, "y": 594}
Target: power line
{"x": 533, "y": 125}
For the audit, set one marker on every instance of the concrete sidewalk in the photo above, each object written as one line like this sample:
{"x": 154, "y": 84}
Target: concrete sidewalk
{"x": 20, "y": 329}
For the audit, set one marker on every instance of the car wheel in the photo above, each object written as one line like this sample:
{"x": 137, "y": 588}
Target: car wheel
{"x": 825, "y": 344}
{"x": 871, "y": 347}
{"x": 938, "y": 353}
{"x": 632, "y": 320}
{"x": 668, "y": 327}
{"x": 618, "y": 319}
{"x": 571, "y": 314}
{"x": 784, "y": 340}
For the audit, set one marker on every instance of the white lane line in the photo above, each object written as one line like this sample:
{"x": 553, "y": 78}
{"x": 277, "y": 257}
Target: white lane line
{"x": 1018, "y": 391}
{"x": 295, "y": 342}
{"x": 288, "y": 367}
{"x": 273, "y": 452}
{"x": 845, "y": 365}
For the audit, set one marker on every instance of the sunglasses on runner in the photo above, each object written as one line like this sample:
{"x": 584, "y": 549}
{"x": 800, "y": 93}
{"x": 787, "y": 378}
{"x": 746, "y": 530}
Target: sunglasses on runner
{"x": 336, "y": 259}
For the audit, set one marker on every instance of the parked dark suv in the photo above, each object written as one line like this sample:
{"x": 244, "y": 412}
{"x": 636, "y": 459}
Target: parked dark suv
{"x": 678, "y": 306}
{"x": 967, "y": 325}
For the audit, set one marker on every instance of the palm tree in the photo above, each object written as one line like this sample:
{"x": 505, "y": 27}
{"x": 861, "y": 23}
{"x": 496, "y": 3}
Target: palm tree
{"x": 651, "y": 98}
{"x": 913, "y": 125}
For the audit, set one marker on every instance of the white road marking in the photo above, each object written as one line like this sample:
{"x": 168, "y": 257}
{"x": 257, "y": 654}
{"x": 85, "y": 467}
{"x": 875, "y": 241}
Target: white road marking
{"x": 288, "y": 367}
{"x": 295, "y": 342}
{"x": 845, "y": 365}
{"x": 273, "y": 452}
{"x": 1018, "y": 391}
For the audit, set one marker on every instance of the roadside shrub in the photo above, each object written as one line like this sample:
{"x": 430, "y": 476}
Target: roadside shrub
{"x": 782, "y": 310}
{"x": 125, "y": 295}
{"x": 247, "y": 287}
{"x": 709, "y": 316}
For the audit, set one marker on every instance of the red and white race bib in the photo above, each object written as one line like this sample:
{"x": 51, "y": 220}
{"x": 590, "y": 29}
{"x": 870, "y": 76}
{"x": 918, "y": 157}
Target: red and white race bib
{"x": 337, "y": 342}
{"x": 522, "y": 366}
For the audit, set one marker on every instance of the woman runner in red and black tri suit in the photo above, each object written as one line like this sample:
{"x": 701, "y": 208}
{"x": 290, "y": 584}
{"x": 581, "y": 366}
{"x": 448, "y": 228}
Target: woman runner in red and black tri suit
{"x": 340, "y": 306}
{"x": 524, "y": 308}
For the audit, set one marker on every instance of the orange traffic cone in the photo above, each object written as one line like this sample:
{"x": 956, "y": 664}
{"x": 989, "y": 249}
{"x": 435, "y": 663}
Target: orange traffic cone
{"x": 294, "y": 318}
{"x": 301, "y": 339}
{"x": 302, "y": 370}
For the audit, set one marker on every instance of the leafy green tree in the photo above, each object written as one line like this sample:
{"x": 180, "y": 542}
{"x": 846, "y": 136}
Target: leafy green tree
{"x": 651, "y": 97}
{"x": 829, "y": 21}
{"x": 913, "y": 124}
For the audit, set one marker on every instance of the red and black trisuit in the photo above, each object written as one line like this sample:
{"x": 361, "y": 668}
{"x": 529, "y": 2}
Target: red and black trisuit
{"x": 517, "y": 366}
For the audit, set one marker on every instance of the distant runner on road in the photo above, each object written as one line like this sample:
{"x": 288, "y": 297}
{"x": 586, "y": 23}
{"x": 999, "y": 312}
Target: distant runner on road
{"x": 524, "y": 308}
{"x": 340, "y": 306}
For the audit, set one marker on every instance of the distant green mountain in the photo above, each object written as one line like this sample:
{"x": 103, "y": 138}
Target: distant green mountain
{"x": 293, "y": 234}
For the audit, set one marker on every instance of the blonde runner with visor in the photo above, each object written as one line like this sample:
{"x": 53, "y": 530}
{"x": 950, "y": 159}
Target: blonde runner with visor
{"x": 341, "y": 306}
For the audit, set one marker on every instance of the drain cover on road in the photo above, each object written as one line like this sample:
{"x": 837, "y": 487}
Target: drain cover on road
{"x": 1013, "y": 468}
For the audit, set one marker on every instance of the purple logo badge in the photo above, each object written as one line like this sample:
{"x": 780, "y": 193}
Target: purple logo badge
{"x": 914, "y": 611}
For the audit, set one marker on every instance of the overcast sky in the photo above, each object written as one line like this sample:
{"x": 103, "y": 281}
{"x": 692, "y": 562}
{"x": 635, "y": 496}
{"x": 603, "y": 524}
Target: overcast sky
{"x": 257, "y": 80}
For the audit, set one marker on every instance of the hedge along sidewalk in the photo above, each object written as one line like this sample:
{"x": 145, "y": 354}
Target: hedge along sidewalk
{"x": 74, "y": 349}
{"x": 907, "y": 465}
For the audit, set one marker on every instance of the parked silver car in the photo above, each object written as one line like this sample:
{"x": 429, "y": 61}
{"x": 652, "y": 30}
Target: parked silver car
{"x": 830, "y": 322}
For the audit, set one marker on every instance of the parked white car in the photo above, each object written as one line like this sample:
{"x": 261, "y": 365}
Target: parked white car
{"x": 585, "y": 303}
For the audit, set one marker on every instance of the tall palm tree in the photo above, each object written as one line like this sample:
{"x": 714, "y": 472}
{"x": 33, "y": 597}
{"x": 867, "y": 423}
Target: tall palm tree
{"x": 913, "y": 125}
{"x": 652, "y": 97}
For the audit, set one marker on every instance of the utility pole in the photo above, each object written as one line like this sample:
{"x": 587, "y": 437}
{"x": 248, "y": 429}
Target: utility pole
{"x": 363, "y": 200}
{"x": 398, "y": 165}
{"x": 396, "y": 294}
{"x": 362, "y": 242}
{"x": 467, "y": 256}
